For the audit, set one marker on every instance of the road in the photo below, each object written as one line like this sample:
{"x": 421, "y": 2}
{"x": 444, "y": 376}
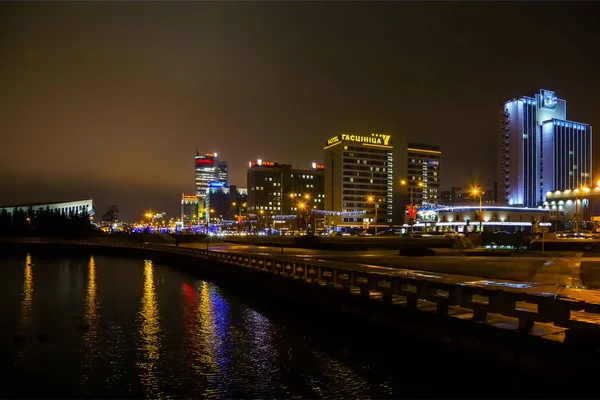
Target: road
{"x": 573, "y": 272}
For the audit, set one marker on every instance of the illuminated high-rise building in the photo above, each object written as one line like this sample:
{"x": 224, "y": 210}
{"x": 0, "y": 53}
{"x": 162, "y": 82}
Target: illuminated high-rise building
{"x": 208, "y": 169}
{"x": 206, "y": 172}
{"x": 423, "y": 177}
{"x": 540, "y": 150}
{"x": 222, "y": 172}
{"x": 359, "y": 179}
{"x": 189, "y": 210}
{"x": 266, "y": 193}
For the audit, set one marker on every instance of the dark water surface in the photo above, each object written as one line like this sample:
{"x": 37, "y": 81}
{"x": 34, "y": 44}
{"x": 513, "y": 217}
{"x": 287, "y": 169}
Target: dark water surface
{"x": 110, "y": 327}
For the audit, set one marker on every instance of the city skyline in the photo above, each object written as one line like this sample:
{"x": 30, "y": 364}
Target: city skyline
{"x": 119, "y": 123}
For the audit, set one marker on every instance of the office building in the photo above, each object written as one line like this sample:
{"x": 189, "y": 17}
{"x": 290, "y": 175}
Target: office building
{"x": 222, "y": 172}
{"x": 423, "y": 177}
{"x": 208, "y": 169}
{"x": 205, "y": 173}
{"x": 220, "y": 202}
{"x": 540, "y": 150}
{"x": 278, "y": 189}
{"x": 456, "y": 196}
{"x": 190, "y": 210}
{"x": 451, "y": 197}
{"x": 359, "y": 179}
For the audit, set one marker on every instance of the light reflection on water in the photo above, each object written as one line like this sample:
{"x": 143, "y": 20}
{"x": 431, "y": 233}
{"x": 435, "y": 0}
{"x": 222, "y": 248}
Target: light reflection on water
{"x": 149, "y": 334}
{"x": 26, "y": 312}
{"x": 27, "y": 302}
{"x": 131, "y": 337}
{"x": 91, "y": 337}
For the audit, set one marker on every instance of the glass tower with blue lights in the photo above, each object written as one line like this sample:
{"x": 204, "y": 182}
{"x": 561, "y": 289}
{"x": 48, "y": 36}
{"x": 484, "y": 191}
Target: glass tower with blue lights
{"x": 540, "y": 150}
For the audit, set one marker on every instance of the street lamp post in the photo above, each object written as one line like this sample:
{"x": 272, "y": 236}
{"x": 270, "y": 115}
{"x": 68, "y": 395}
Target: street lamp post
{"x": 577, "y": 213}
{"x": 410, "y": 189}
{"x": 260, "y": 219}
{"x": 371, "y": 199}
{"x": 576, "y": 227}
{"x": 308, "y": 219}
{"x": 240, "y": 211}
{"x": 478, "y": 192}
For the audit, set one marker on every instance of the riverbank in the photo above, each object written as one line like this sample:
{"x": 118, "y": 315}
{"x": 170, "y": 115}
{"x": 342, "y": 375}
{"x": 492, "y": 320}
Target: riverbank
{"x": 548, "y": 362}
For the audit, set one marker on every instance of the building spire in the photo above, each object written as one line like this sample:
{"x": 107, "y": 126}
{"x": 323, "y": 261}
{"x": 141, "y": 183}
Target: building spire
{"x": 197, "y": 153}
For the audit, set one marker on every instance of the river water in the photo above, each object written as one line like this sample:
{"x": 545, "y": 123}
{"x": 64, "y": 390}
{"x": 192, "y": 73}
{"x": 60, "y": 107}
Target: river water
{"x": 109, "y": 327}
{"x": 122, "y": 328}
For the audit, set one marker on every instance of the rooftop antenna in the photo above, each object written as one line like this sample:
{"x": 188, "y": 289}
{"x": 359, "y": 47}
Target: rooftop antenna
{"x": 197, "y": 153}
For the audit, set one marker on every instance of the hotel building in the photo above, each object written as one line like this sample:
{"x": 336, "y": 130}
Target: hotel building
{"x": 541, "y": 151}
{"x": 359, "y": 179}
{"x": 424, "y": 167}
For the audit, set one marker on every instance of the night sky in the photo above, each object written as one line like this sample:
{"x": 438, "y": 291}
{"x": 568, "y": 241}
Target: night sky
{"x": 107, "y": 100}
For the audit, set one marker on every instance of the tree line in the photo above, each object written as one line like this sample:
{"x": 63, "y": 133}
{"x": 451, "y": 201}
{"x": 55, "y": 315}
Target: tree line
{"x": 45, "y": 222}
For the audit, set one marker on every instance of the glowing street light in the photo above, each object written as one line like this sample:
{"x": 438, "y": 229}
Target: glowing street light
{"x": 403, "y": 182}
{"x": 239, "y": 210}
{"x": 371, "y": 199}
{"x": 479, "y": 192}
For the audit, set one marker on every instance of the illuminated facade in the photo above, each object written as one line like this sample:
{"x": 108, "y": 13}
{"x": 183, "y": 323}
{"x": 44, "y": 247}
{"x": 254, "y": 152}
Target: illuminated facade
{"x": 541, "y": 151}
{"x": 208, "y": 169}
{"x": 359, "y": 178}
{"x": 205, "y": 173}
{"x": 424, "y": 167}
{"x": 495, "y": 218}
{"x": 569, "y": 205}
{"x": 222, "y": 172}
{"x": 190, "y": 209}
{"x": 277, "y": 189}
{"x": 219, "y": 202}
{"x": 63, "y": 207}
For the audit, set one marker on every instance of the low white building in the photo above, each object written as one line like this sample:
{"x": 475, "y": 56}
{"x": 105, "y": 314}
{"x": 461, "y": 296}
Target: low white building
{"x": 64, "y": 207}
{"x": 566, "y": 204}
{"x": 495, "y": 218}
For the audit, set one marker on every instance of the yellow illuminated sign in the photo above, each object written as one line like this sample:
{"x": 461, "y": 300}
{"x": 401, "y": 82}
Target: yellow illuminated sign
{"x": 333, "y": 140}
{"x": 380, "y": 139}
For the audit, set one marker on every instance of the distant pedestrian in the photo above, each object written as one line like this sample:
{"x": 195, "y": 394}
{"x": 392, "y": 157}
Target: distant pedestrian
{"x": 176, "y": 242}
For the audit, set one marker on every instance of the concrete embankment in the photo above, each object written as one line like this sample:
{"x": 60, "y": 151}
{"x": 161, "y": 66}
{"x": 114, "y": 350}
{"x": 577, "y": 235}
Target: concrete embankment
{"x": 548, "y": 362}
